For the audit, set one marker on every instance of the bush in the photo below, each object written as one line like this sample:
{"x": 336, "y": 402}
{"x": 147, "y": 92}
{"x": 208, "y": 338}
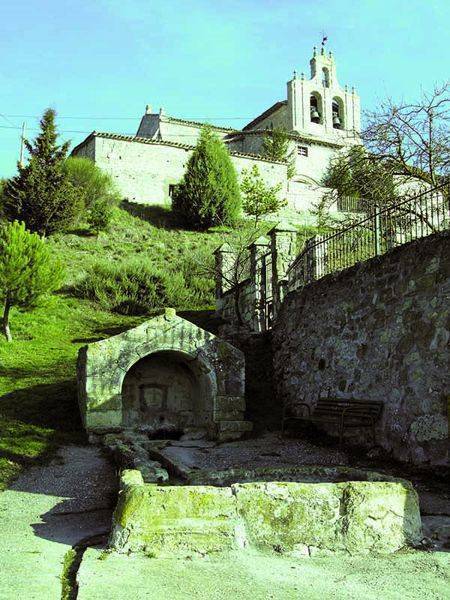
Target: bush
{"x": 209, "y": 193}
{"x": 100, "y": 215}
{"x": 92, "y": 184}
{"x": 130, "y": 288}
{"x": 134, "y": 287}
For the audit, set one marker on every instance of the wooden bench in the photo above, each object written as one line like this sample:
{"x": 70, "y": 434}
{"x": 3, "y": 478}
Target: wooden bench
{"x": 345, "y": 413}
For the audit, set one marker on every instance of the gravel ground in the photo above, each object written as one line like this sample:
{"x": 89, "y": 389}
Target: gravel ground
{"x": 269, "y": 450}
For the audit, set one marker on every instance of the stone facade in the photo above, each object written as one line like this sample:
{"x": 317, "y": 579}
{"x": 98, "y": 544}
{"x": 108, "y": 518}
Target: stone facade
{"x": 166, "y": 376}
{"x": 145, "y": 170}
{"x": 321, "y": 119}
{"x": 376, "y": 331}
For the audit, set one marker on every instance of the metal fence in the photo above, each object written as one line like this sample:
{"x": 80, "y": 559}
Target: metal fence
{"x": 383, "y": 229}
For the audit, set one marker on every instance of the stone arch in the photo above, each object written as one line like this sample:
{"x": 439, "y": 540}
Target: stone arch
{"x": 316, "y": 108}
{"x": 205, "y": 366}
{"x": 169, "y": 391}
{"x": 325, "y": 77}
{"x": 337, "y": 107}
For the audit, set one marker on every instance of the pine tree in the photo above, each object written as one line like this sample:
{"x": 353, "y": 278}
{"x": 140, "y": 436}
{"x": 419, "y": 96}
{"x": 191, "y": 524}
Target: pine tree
{"x": 41, "y": 194}
{"x": 27, "y": 270}
{"x": 209, "y": 193}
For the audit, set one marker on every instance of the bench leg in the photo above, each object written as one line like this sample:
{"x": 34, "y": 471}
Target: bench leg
{"x": 341, "y": 434}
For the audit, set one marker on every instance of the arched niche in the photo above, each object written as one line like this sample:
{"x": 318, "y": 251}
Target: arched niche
{"x": 338, "y": 118}
{"x": 316, "y": 108}
{"x": 167, "y": 392}
{"x": 325, "y": 77}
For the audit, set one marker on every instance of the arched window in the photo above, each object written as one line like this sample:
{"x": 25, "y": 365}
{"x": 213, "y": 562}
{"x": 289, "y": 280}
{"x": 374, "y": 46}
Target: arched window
{"x": 325, "y": 77}
{"x": 338, "y": 113}
{"x": 315, "y": 107}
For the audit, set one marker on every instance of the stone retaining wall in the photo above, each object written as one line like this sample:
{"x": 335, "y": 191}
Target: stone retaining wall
{"x": 376, "y": 331}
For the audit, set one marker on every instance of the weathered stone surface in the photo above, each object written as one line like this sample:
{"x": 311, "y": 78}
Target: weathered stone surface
{"x": 355, "y": 517}
{"x": 376, "y": 331}
{"x": 174, "y": 520}
{"x": 281, "y": 515}
{"x": 164, "y": 375}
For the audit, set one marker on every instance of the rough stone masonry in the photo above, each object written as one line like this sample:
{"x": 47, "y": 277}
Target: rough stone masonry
{"x": 378, "y": 331}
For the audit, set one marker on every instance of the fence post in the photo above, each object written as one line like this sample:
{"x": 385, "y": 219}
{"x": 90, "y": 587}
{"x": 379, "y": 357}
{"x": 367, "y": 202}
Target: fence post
{"x": 224, "y": 260}
{"x": 377, "y": 232}
{"x": 258, "y": 250}
{"x": 283, "y": 238}
{"x": 316, "y": 248}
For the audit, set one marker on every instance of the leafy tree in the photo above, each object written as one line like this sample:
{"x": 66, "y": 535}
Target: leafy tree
{"x": 276, "y": 147}
{"x": 91, "y": 183}
{"x": 27, "y": 270}
{"x": 209, "y": 192}
{"x": 40, "y": 194}
{"x": 357, "y": 181}
{"x": 259, "y": 198}
{"x": 413, "y": 138}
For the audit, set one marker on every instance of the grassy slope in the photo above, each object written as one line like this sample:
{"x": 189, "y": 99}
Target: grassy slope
{"x": 38, "y": 405}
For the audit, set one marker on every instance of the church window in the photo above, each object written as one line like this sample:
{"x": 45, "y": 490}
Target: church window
{"x": 338, "y": 113}
{"x": 302, "y": 151}
{"x": 325, "y": 77}
{"x": 171, "y": 190}
{"x": 315, "y": 106}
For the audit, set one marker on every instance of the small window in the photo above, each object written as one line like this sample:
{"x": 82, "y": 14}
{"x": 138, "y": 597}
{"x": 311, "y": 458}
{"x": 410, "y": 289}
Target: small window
{"x": 302, "y": 151}
{"x": 172, "y": 187}
{"x": 325, "y": 77}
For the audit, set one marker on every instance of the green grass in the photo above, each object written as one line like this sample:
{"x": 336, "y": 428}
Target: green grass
{"x": 38, "y": 399}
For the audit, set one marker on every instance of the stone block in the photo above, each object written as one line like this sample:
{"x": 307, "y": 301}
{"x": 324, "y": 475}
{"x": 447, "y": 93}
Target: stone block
{"x": 380, "y": 517}
{"x": 224, "y": 403}
{"x": 281, "y": 515}
{"x": 235, "y": 426}
{"x": 174, "y": 520}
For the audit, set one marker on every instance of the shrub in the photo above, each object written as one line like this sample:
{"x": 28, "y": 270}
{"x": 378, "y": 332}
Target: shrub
{"x": 209, "y": 193}
{"x": 41, "y": 194}
{"x": 100, "y": 215}
{"x": 27, "y": 270}
{"x": 130, "y": 288}
{"x": 92, "y": 184}
{"x": 134, "y": 287}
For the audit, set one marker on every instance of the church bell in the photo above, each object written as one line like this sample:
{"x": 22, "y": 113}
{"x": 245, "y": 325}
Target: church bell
{"x": 336, "y": 121}
{"x": 315, "y": 117}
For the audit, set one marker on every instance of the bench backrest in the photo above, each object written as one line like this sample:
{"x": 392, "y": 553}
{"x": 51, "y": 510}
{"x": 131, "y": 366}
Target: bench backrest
{"x": 337, "y": 405}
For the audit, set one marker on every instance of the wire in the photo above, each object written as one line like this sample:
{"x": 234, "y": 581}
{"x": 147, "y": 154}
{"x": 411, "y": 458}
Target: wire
{"x": 127, "y": 118}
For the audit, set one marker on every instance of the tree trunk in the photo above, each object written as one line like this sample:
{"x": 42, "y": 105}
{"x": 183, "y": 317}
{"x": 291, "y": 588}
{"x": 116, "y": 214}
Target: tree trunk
{"x": 5, "y": 321}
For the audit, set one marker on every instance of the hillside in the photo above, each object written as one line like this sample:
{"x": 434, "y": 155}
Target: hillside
{"x": 38, "y": 404}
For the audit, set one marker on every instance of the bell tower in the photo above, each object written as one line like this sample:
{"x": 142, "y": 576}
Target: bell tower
{"x": 318, "y": 106}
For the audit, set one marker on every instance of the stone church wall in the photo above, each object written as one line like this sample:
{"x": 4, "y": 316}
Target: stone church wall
{"x": 376, "y": 331}
{"x": 143, "y": 172}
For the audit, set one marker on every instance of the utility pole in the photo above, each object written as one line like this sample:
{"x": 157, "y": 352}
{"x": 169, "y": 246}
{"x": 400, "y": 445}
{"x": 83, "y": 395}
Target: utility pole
{"x": 22, "y": 138}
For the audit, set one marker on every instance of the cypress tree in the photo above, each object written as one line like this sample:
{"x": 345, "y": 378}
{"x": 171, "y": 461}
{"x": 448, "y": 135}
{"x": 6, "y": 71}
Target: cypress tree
{"x": 209, "y": 192}
{"x": 40, "y": 194}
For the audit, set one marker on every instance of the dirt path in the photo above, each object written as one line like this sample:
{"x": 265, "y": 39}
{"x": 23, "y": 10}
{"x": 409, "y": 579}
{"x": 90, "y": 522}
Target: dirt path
{"x": 46, "y": 511}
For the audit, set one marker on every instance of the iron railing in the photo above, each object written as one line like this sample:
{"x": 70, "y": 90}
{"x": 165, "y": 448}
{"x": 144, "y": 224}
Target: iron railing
{"x": 383, "y": 229}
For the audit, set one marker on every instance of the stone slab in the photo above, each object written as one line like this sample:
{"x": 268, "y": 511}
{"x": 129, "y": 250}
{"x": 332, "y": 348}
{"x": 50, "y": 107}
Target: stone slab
{"x": 410, "y": 576}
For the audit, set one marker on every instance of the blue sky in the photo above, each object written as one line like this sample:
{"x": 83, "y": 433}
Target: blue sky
{"x": 202, "y": 59}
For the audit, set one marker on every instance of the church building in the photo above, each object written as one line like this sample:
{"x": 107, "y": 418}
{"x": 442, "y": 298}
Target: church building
{"x": 320, "y": 116}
